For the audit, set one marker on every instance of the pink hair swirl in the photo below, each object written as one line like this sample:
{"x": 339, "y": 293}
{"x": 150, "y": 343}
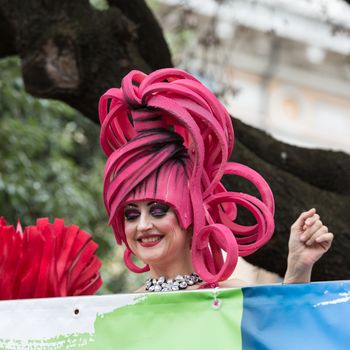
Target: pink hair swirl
{"x": 167, "y": 128}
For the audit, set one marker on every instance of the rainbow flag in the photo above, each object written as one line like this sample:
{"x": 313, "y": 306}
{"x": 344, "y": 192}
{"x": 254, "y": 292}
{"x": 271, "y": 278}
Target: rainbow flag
{"x": 281, "y": 317}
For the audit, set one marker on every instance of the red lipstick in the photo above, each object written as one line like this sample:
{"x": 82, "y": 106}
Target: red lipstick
{"x": 149, "y": 240}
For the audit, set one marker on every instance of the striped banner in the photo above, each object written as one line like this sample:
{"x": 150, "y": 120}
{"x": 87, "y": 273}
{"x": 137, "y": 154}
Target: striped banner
{"x": 307, "y": 316}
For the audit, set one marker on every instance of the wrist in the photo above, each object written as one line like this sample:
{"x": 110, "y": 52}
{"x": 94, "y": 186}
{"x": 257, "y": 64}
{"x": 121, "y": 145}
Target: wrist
{"x": 292, "y": 277}
{"x": 297, "y": 272}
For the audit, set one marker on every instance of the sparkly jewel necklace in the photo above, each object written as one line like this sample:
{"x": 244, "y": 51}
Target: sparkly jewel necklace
{"x": 163, "y": 284}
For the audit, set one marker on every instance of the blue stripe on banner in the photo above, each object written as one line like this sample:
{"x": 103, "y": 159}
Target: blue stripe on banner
{"x": 306, "y": 316}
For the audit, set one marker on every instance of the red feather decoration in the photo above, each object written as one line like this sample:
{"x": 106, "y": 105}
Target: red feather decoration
{"x": 47, "y": 260}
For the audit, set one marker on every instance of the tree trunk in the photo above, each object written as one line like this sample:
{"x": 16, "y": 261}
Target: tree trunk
{"x": 73, "y": 52}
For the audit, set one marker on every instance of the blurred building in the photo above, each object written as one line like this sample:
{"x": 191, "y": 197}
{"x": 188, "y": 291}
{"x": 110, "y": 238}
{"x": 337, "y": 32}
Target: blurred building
{"x": 282, "y": 66}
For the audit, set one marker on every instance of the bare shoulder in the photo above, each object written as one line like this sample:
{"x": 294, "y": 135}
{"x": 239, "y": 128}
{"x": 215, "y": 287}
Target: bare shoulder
{"x": 233, "y": 283}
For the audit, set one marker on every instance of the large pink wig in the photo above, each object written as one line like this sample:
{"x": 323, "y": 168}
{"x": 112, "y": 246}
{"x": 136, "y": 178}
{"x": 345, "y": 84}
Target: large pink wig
{"x": 168, "y": 138}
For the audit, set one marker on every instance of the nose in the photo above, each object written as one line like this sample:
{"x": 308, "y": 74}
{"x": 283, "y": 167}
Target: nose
{"x": 144, "y": 223}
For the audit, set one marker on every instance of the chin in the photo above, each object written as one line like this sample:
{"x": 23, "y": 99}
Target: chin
{"x": 152, "y": 259}
{"x": 151, "y": 255}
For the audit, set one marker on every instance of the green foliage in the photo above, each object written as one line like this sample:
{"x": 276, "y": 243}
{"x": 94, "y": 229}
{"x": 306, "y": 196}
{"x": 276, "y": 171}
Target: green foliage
{"x": 99, "y": 4}
{"x": 51, "y": 166}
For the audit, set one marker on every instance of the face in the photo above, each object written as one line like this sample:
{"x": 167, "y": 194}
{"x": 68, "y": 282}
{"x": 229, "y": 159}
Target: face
{"x": 153, "y": 233}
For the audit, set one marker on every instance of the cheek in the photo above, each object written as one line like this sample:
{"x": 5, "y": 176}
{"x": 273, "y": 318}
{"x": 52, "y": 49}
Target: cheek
{"x": 129, "y": 230}
{"x": 169, "y": 224}
{"x": 176, "y": 236}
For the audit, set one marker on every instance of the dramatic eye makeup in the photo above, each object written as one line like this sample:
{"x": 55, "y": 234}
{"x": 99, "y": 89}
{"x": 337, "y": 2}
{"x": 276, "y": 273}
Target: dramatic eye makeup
{"x": 131, "y": 213}
{"x": 158, "y": 209}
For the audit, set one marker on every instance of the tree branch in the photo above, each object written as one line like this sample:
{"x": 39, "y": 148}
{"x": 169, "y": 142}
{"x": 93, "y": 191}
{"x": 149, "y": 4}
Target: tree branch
{"x": 73, "y": 52}
{"x": 306, "y": 178}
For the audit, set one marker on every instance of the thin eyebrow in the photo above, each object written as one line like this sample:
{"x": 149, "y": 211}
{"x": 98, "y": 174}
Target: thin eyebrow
{"x": 150, "y": 203}
{"x": 132, "y": 205}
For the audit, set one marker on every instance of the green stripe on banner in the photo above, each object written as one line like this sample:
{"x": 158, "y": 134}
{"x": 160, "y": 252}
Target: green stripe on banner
{"x": 173, "y": 321}
{"x": 184, "y": 320}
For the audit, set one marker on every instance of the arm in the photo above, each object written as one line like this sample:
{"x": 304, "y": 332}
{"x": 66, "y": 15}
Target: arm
{"x": 309, "y": 240}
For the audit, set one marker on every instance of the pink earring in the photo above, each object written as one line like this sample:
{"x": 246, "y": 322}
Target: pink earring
{"x": 131, "y": 265}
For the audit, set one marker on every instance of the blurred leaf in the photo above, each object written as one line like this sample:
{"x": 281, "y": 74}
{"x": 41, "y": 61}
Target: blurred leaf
{"x": 51, "y": 165}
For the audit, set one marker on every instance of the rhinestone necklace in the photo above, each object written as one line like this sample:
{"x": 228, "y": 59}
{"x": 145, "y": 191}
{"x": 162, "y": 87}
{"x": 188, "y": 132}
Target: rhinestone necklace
{"x": 163, "y": 284}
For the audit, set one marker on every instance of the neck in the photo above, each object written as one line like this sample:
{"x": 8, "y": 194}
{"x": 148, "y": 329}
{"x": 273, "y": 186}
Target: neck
{"x": 180, "y": 267}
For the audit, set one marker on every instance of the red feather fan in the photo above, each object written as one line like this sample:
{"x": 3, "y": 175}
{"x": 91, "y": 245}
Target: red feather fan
{"x": 47, "y": 260}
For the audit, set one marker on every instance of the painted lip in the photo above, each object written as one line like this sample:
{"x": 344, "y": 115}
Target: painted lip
{"x": 149, "y": 244}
